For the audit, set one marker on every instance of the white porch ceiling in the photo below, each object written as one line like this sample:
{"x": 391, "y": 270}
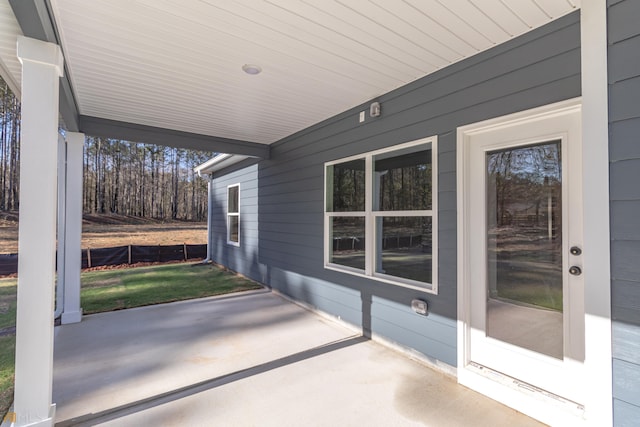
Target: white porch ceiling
{"x": 177, "y": 65}
{"x": 10, "y": 67}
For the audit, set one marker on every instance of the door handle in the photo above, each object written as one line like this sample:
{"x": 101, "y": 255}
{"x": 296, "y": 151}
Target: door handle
{"x": 575, "y": 270}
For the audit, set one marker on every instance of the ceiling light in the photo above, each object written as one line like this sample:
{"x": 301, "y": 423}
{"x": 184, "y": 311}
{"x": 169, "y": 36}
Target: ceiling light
{"x": 251, "y": 69}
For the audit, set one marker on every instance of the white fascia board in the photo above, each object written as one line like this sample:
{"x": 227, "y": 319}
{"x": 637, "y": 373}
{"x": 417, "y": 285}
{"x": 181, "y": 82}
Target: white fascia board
{"x": 8, "y": 78}
{"x": 218, "y": 162}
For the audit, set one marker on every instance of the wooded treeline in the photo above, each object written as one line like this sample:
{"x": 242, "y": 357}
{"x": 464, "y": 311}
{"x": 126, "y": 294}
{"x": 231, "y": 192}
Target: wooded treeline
{"x": 143, "y": 180}
{"x": 120, "y": 177}
{"x": 9, "y": 148}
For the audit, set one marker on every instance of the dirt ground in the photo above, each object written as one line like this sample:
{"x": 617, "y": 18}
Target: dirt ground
{"x": 105, "y": 231}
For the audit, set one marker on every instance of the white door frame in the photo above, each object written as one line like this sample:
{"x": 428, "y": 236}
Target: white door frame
{"x": 598, "y": 405}
{"x": 564, "y": 119}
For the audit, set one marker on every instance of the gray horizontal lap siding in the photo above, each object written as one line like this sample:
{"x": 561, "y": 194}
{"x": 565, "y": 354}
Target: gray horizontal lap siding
{"x": 624, "y": 155}
{"x": 538, "y": 68}
{"x": 243, "y": 259}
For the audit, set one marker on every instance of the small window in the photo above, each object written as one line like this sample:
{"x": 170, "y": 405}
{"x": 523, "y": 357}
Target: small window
{"x": 380, "y": 215}
{"x": 233, "y": 215}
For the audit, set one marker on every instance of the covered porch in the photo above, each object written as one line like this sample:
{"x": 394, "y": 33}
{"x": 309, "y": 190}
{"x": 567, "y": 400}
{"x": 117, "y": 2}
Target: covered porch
{"x": 291, "y": 87}
{"x": 250, "y": 359}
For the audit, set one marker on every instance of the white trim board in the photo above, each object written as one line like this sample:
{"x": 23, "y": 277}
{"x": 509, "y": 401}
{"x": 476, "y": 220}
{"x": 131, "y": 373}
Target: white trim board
{"x": 595, "y": 148}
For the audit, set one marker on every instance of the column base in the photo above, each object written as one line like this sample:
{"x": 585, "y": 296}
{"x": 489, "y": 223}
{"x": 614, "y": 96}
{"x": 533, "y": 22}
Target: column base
{"x": 71, "y": 317}
{"x": 12, "y": 420}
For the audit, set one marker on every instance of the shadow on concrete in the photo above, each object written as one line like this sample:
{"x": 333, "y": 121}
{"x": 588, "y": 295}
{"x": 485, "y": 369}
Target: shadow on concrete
{"x": 108, "y": 340}
{"x": 190, "y": 390}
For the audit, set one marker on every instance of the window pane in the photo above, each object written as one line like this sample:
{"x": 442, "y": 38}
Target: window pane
{"x": 347, "y": 241}
{"x": 404, "y": 247}
{"x": 233, "y": 199}
{"x": 402, "y": 179}
{"x": 524, "y": 247}
{"x": 234, "y": 229}
{"x": 345, "y": 187}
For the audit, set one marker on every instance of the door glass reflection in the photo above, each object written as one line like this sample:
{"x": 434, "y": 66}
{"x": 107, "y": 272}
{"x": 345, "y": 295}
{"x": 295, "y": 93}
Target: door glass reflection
{"x": 524, "y": 247}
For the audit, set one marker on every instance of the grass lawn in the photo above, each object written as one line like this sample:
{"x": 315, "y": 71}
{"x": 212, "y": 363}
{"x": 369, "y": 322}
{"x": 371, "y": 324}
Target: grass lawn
{"x": 119, "y": 289}
{"x": 7, "y": 303}
{"x": 7, "y": 352}
{"x": 7, "y": 343}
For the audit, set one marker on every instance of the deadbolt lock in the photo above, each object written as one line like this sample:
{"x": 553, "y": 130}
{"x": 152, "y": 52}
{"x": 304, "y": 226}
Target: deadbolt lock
{"x": 575, "y": 270}
{"x": 575, "y": 250}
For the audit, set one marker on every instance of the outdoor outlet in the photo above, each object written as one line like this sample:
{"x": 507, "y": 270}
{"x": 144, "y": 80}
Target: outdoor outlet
{"x": 362, "y": 116}
{"x": 420, "y": 306}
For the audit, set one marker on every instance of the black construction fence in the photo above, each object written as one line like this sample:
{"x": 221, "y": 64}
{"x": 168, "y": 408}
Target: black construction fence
{"x": 131, "y": 254}
{"x": 388, "y": 242}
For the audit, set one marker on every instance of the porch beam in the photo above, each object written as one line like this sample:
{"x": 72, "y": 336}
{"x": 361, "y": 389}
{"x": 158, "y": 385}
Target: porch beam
{"x": 72, "y": 312}
{"x": 42, "y": 66}
{"x": 106, "y": 128}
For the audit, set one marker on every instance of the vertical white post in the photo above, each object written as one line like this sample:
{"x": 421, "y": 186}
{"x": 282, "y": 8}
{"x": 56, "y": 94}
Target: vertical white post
{"x": 209, "y": 219}
{"x": 42, "y": 66}
{"x": 62, "y": 184}
{"x": 73, "y": 229}
{"x": 596, "y": 251}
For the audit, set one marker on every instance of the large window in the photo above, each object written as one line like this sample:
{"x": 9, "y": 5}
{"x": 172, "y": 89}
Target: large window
{"x": 380, "y": 215}
{"x": 233, "y": 214}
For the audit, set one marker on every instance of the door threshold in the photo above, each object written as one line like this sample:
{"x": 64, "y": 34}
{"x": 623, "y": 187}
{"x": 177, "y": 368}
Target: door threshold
{"x": 530, "y": 392}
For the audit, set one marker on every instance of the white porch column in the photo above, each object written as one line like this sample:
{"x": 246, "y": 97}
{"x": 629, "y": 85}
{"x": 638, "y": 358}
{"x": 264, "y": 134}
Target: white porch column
{"x": 72, "y": 312}
{"x": 595, "y": 176}
{"x": 209, "y": 218}
{"x": 62, "y": 188}
{"x": 42, "y": 66}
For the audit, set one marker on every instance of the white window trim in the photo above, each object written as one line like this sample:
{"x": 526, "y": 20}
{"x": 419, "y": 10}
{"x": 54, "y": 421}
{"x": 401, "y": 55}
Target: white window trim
{"x": 233, "y": 214}
{"x": 369, "y": 215}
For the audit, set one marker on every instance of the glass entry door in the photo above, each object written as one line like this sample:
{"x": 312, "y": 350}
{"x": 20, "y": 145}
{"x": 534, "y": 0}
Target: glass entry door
{"x": 524, "y": 237}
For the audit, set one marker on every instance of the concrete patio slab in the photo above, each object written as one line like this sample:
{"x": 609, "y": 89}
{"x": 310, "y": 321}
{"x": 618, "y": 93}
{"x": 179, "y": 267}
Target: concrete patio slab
{"x": 252, "y": 359}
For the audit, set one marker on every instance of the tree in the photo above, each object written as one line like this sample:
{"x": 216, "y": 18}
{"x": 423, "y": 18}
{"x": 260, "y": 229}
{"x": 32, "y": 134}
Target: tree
{"x": 9, "y": 148}
{"x": 120, "y": 177}
{"x": 143, "y": 180}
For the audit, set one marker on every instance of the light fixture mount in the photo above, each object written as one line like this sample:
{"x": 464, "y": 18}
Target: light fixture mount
{"x": 251, "y": 69}
{"x": 374, "y": 109}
